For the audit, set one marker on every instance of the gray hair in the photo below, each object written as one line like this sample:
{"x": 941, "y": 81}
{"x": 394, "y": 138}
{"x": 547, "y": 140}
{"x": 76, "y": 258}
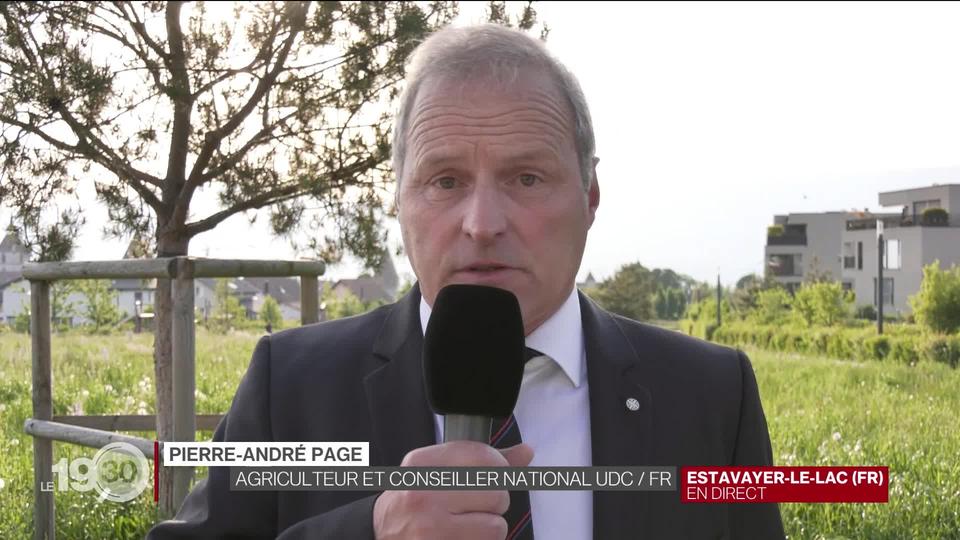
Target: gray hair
{"x": 496, "y": 53}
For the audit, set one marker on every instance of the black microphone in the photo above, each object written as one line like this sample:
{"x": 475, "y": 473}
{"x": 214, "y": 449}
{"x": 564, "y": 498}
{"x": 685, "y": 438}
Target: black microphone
{"x": 473, "y": 356}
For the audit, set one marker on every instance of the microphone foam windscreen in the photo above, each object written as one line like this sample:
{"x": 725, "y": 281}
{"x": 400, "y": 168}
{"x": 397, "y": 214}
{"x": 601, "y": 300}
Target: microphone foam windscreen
{"x": 473, "y": 352}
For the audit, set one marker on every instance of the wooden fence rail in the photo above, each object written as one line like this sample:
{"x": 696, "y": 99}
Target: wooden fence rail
{"x": 91, "y": 431}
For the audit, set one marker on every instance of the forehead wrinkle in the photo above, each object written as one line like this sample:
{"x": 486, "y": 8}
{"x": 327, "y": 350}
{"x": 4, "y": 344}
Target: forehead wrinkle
{"x": 422, "y": 133}
{"x": 461, "y": 147}
{"x": 552, "y": 144}
{"x": 550, "y": 104}
{"x": 481, "y": 121}
{"x": 548, "y": 110}
{"x": 526, "y": 128}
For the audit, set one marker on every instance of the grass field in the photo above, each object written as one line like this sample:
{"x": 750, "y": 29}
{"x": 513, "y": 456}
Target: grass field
{"x": 820, "y": 412}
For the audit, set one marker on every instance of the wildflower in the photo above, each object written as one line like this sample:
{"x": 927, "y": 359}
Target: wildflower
{"x": 3, "y": 407}
{"x": 85, "y": 393}
{"x": 108, "y": 387}
{"x": 836, "y": 436}
{"x": 2, "y": 483}
{"x": 14, "y": 442}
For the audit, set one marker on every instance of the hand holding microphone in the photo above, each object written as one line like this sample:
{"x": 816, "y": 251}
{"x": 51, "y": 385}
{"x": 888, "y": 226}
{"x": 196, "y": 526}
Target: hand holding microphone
{"x": 473, "y": 365}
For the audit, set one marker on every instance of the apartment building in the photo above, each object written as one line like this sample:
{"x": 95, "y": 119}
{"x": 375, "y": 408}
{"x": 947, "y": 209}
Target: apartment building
{"x": 924, "y": 227}
{"x": 798, "y": 244}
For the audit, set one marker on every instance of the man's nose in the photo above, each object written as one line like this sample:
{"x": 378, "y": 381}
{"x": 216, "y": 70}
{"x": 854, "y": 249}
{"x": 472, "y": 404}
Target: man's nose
{"x": 485, "y": 215}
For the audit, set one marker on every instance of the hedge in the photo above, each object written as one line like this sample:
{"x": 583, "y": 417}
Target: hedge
{"x": 903, "y": 343}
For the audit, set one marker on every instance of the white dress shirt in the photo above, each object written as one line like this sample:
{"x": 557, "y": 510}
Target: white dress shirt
{"x": 553, "y": 413}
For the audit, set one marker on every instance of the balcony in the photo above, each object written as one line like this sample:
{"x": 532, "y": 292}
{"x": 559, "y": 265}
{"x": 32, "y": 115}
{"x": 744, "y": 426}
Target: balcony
{"x": 787, "y": 239}
{"x": 790, "y": 235}
{"x": 899, "y": 220}
{"x": 784, "y": 265}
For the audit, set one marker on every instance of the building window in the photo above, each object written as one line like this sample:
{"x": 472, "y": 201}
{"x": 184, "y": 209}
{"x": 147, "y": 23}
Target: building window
{"x": 891, "y": 254}
{"x": 785, "y": 264}
{"x": 849, "y": 256}
{"x": 847, "y": 285}
{"x": 887, "y": 291}
{"x": 859, "y": 255}
{"x": 920, "y": 206}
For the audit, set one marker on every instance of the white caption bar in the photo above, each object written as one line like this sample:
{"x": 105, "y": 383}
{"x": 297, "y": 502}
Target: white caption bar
{"x": 266, "y": 454}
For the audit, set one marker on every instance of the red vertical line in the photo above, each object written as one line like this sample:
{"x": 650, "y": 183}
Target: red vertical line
{"x": 156, "y": 471}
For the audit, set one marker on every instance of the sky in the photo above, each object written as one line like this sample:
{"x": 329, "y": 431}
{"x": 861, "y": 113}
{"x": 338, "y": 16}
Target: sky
{"x": 711, "y": 118}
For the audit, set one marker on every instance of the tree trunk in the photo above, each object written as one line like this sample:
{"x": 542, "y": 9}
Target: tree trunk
{"x": 163, "y": 365}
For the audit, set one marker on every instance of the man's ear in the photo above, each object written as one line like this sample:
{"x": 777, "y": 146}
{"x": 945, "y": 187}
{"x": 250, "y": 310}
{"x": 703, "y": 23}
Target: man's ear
{"x": 593, "y": 192}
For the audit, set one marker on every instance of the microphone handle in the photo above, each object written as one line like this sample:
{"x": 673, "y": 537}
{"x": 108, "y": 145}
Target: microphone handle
{"x": 462, "y": 427}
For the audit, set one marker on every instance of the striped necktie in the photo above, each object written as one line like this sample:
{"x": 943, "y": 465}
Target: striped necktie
{"x": 504, "y": 434}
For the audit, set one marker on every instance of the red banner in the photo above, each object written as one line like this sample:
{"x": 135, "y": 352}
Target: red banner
{"x": 784, "y": 484}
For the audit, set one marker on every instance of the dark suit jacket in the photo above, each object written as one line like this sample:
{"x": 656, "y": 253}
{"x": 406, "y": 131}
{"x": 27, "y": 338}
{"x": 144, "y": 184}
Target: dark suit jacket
{"x": 360, "y": 379}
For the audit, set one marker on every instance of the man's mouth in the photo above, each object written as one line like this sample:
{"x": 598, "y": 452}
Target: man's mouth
{"x": 485, "y": 267}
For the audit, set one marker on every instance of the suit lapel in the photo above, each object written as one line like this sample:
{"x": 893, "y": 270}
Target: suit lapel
{"x": 401, "y": 417}
{"x": 619, "y": 435}
{"x": 402, "y": 420}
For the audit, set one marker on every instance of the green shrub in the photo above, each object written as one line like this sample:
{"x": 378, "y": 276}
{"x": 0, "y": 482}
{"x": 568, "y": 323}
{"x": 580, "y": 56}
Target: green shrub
{"x": 773, "y": 306}
{"x": 775, "y": 230}
{"x": 878, "y": 347}
{"x": 823, "y": 303}
{"x": 937, "y": 305}
{"x": 839, "y": 345}
{"x": 270, "y": 313}
{"x": 778, "y": 341}
{"x": 21, "y": 323}
{"x": 904, "y": 344}
{"x": 816, "y": 342}
{"x": 943, "y": 349}
{"x": 935, "y": 217}
{"x": 904, "y": 351}
{"x": 867, "y": 312}
{"x": 701, "y": 319}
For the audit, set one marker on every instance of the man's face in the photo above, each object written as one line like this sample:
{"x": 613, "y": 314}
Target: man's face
{"x": 491, "y": 192}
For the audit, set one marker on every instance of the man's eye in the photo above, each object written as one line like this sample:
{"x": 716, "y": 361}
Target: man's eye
{"x": 447, "y": 182}
{"x": 529, "y": 180}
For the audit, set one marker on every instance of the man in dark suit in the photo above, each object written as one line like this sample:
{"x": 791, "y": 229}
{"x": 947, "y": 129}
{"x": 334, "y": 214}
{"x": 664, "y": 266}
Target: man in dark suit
{"x": 494, "y": 154}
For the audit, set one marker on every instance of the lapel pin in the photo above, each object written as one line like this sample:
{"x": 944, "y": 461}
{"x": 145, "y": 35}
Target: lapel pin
{"x": 633, "y": 404}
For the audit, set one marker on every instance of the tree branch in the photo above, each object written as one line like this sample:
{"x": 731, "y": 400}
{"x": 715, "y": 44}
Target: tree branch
{"x": 85, "y": 136}
{"x": 182, "y": 104}
{"x": 263, "y": 86}
{"x": 212, "y": 139}
{"x": 141, "y": 30}
{"x": 148, "y": 196}
{"x": 267, "y": 198}
{"x": 116, "y": 35}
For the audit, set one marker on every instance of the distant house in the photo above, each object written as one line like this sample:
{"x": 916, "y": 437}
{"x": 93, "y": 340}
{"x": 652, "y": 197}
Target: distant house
{"x": 285, "y": 290}
{"x": 12, "y": 255}
{"x": 843, "y": 245}
{"x": 133, "y": 295}
{"x": 382, "y": 286}
{"x": 13, "y": 288}
{"x": 800, "y": 243}
{"x": 589, "y": 282}
{"x": 205, "y": 295}
{"x": 136, "y": 295}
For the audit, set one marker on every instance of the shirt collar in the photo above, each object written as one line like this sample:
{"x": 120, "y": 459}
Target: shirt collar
{"x": 560, "y": 337}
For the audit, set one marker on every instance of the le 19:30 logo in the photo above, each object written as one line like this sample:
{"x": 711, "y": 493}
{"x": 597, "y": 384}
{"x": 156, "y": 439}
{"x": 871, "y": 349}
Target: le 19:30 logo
{"x": 118, "y": 472}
